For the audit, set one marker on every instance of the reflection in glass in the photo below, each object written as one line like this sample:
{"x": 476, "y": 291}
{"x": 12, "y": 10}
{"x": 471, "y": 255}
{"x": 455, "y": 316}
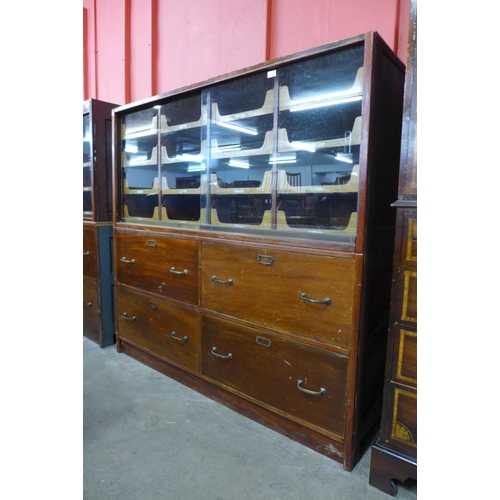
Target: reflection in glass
{"x": 241, "y": 142}
{"x": 319, "y": 136}
{"x": 87, "y": 167}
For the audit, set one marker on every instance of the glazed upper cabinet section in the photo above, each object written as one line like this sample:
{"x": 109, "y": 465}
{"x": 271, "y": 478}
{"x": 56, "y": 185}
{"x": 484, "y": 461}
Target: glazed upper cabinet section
{"x": 276, "y": 151}
{"x": 87, "y": 167}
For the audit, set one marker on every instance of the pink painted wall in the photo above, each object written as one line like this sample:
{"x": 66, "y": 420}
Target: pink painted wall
{"x": 134, "y": 49}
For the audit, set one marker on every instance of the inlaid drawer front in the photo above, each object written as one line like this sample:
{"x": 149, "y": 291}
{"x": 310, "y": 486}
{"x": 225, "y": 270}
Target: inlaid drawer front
{"x": 168, "y": 331}
{"x": 405, "y": 367}
{"x": 90, "y": 253}
{"x": 404, "y": 418}
{"x": 409, "y": 305}
{"x": 90, "y": 305}
{"x": 158, "y": 264}
{"x": 308, "y": 295}
{"x": 409, "y": 242}
{"x": 304, "y": 382}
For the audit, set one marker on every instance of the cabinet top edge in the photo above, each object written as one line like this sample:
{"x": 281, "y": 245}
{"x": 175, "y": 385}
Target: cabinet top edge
{"x": 271, "y": 64}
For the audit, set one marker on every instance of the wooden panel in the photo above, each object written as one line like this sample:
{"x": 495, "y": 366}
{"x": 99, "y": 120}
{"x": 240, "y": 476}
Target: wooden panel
{"x": 267, "y": 367}
{"x": 405, "y": 366}
{"x": 267, "y": 286}
{"x": 90, "y": 305}
{"x": 167, "y": 331}
{"x": 409, "y": 244}
{"x": 157, "y": 264}
{"x": 404, "y": 422}
{"x": 409, "y": 306}
{"x": 90, "y": 253}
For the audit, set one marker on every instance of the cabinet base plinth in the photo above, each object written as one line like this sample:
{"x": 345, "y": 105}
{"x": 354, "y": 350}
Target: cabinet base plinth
{"x": 387, "y": 466}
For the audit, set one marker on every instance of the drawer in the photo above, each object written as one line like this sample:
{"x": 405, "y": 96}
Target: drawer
{"x": 405, "y": 354}
{"x": 90, "y": 253}
{"x": 273, "y": 370}
{"x": 90, "y": 305}
{"x": 158, "y": 264}
{"x": 409, "y": 239}
{"x": 408, "y": 281}
{"x": 401, "y": 433}
{"x": 166, "y": 330}
{"x": 307, "y": 295}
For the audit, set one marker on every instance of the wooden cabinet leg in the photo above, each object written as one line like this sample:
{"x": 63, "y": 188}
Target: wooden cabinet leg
{"x": 386, "y": 466}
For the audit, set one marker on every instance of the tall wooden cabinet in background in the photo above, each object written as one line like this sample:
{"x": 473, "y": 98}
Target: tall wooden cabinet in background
{"x": 254, "y": 237}
{"x": 394, "y": 455}
{"x": 98, "y": 278}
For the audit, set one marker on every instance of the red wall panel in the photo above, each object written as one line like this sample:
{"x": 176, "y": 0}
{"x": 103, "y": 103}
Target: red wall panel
{"x": 297, "y": 25}
{"x": 200, "y": 39}
{"x": 134, "y": 49}
{"x": 111, "y": 60}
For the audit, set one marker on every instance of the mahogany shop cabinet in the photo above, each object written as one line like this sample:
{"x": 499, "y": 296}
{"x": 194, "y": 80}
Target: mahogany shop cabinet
{"x": 98, "y": 280}
{"x": 394, "y": 455}
{"x": 254, "y": 237}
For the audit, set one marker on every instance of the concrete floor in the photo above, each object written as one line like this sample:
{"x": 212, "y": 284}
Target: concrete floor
{"x": 146, "y": 436}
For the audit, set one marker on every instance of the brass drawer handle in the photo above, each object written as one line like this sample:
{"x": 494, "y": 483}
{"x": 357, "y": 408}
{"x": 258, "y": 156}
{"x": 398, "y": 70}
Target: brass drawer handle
{"x": 215, "y": 280}
{"x": 173, "y": 271}
{"x": 265, "y": 260}
{"x": 263, "y": 341}
{"x": 123, "y": 259}
{"x": 180, "y": 339}
{"x": 215, "y": 353}
{"x": 87, "y": 304}
{"x": 86, "y": 253}
{"x": 307, "y": 391}
{"x": 152, "y": 243}
{"x": 314, "y": 301}
{"x": 124, "y": 316}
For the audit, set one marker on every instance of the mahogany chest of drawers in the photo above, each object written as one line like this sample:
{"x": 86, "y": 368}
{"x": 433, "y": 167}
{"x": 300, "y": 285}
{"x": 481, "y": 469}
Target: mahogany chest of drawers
{"x": 394, "y": 455}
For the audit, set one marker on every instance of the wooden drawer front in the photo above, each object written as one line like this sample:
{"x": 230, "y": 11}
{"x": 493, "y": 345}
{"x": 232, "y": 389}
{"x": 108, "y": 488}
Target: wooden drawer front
{"x": 409, "y": 304}
{"x": 268, "y": 368}
{"x": 168, "y": 331}
{"x": 90, "y": 253}
{"x": 158, "y": 264}
{"x": 403, "y": 430}
{"x": 409, "y": 239}
{"x": 90, "y": 304}
{"x": 266, "y": 287}
{"x": 405, "y": 367}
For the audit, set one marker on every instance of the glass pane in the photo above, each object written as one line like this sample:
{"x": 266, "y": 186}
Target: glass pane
{"x": 87, "y": 168}
{"x": 241, "y": 145}
{"x": 319, "y": 136}
{"x": 139, "y": 162}
{"x": 182, "y": 160}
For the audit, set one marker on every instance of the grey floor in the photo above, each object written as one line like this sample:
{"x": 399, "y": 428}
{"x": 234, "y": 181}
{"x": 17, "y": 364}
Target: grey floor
{"x": 146, "y": 436}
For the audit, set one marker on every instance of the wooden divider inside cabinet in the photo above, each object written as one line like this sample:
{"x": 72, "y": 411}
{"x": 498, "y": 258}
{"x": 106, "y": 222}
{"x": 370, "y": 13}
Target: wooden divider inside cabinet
{"x": 305, "y": 383}
{"x": 168, "y": 331}
{"x": 308, "y": 295}
{"x": 158, "y": 264}
{"x": 90, "y": 305}
{"x": 90, "y": 253}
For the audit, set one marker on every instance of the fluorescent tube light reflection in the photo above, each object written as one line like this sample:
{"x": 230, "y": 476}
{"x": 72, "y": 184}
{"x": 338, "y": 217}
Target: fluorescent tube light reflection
{"x": 320, "y": 102}
{"x": 237, "y": 127}
{"x": 239, "y": 164}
